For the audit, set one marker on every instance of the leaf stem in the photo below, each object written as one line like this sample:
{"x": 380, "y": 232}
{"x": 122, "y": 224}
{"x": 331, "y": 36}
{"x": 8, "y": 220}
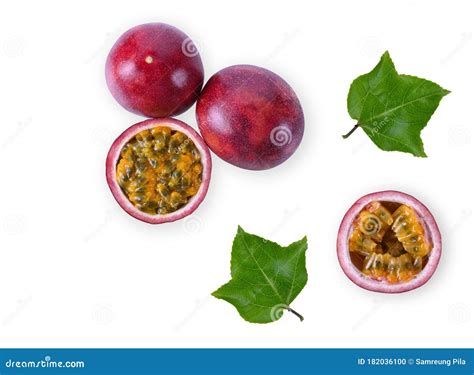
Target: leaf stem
{"x": 296, "y": 313}
{"x": 352, "y": 131}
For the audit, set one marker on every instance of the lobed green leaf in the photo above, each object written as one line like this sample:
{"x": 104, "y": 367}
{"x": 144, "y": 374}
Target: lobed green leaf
{"x": 393, "y": 108}
{"x": 266, "y": 277}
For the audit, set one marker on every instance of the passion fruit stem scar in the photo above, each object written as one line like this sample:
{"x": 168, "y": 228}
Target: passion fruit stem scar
{"x": 345, "y": 136}
{"x": 296, "y": 313}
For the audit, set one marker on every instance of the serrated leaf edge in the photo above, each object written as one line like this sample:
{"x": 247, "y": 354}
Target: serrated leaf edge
{"x": 299, "y": 252}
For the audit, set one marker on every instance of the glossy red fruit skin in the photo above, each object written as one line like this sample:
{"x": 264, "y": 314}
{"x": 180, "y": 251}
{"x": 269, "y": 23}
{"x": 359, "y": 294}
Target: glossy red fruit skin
{"x": 431, "y": 231}
{"x": 154, "y": 70}
{"x": 250, "y": 117}
{"x": 114, "y": 154}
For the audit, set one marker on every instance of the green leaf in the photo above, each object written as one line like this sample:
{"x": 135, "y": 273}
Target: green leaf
{"x": 266, "y": 277}
{"x": 393, "y": 108}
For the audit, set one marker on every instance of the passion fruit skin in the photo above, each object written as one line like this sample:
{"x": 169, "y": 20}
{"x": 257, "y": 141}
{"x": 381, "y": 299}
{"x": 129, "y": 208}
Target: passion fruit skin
{"x": 250, "y": 117}
{"x": 154, "y": 70}
{"x": 429, "y": 225}
{"x": 114, "y": 155}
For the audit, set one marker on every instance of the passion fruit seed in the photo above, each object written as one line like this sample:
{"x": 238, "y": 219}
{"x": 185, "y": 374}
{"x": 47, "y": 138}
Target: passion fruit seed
{"x": 409, "y": 231}
{"x": 159, "y": 170}
{"x": 392, "y": 246}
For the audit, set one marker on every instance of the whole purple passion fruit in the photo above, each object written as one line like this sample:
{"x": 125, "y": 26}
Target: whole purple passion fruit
{"x": 159, "y": 170}
{"x": 389, "y": 242}
{"x": 250, "y": 117}
{"x": 154, "y": 70}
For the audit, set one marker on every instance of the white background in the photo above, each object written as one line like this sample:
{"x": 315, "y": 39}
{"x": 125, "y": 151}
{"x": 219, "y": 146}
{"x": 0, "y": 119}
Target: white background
{"x": 76, "y": 271}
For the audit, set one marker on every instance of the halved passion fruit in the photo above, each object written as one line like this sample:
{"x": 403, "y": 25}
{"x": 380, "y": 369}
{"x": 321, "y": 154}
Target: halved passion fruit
{"x": 159, "y": 170}
{"x": 389, "y": 242}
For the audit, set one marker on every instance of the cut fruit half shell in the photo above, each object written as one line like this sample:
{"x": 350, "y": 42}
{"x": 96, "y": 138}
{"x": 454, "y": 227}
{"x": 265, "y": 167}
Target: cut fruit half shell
{"x": 159, "y": 170}
{"x": 389, "y": 242}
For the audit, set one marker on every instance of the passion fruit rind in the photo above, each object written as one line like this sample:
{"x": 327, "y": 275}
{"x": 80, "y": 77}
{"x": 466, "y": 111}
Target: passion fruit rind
{"x": 159, "y": 170}
{"x": 389, "y": 242}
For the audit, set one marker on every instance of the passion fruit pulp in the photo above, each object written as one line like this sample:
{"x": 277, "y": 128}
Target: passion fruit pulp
{"x": 159, "y": 170}
{"x": 389, "y": 242}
